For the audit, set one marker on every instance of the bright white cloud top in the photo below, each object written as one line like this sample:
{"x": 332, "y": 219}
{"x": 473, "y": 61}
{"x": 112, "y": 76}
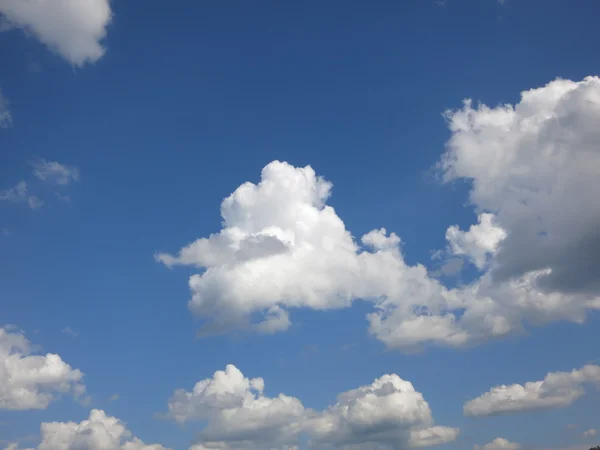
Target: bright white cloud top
{"x": 534, "y": 169}
{"x": 387, "y": 412}
{"x": 73, "y": 29}
{"x": 33, "y": 381}
{"x": 556, "y": 390}
{"x": 98, "y": 432}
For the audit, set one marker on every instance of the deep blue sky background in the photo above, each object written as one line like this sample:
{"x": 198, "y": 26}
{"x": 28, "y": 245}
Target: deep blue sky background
{"x": 191, "y": 100}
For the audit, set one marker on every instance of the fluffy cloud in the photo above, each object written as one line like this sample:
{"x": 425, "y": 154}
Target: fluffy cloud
{"x": 98, "y": 432}
{"x": 5, "y": 114}
{"x": 20, "y": 193}
{"x": 479, "y": 243}
{"x": 498, "y": 444}
{"x": 54, "y": 172}
{"x": 556, "y": 390}
{"x": 590, "y": 433}
{"x": 73, "y": 29}
{"x": 387, "y": 413}
{"x": 533, "y": 167}
{"x": 32, "y": 381}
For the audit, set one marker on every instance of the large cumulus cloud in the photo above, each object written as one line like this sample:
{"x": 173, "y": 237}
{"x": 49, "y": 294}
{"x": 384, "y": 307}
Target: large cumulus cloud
{"x": 534, "y": 188}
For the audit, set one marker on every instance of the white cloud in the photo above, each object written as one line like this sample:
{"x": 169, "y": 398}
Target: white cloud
{"x": 33, "y": 381}
{"x": 98, "y": 432}
{"x": 20, "y": 193}
{"x": 535, "y": 165}
{"x": 498, "y": 444}
{"x": 114, "y": 398}
{"x": 534, "y": 169}
{"x": 70, "y": 331}
{"x": 388, "y": 412}
{"x": 556, "y": 390}
{"x": 590, "y": 433}
{"x": 54, "y": 172}
{"x": 479, "y": 243}
{"x": 73, "y": 29}
{"x": 5, "y": 114}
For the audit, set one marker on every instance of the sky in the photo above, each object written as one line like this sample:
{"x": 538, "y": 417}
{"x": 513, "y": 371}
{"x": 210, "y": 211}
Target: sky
{"x": 299, "y": 225}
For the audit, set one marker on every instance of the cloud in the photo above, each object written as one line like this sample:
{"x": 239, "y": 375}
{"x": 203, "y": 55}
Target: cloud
{"x": 479, "y": 243}
{"x": 73, "y": 29}
{"x": 114, "y": 398}
{"x": 533, "y": 169}
{"x": 498, "y": 444}
{"x": 239, "y": 415}
{"x": 33, "y": 381}
{"x": 5, "y": 114}
{"x": 20, "y": 194}
{"x": 69, "y": 330}
{"x": 535, "y": 166}
{"x": 556, "y": 390}
{"x": 98, "y": 432}
{"x": 590, "y": 433}
{"x": 54, "y": 172}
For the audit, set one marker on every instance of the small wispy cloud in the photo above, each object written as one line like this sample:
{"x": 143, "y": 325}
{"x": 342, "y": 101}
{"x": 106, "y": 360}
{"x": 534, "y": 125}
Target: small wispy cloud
{"x": 20, "y": 193}
{"x": 54, "y": 172}
{"x": 69, "y": 330}
{"x": 113, "y": 398}
{"x": 5, "y": 114}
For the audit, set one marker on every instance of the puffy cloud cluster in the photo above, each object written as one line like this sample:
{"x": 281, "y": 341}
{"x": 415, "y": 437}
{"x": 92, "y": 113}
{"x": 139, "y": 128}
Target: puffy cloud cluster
{"x": 556, "y": 390}
{"x": 387, "y": 413}
{"x": 98, "y": 432}
{"x": 33, "y": 381}
{"x": 533, "y": 169}
{"x": 498, "y": 444}
{"x": 73, "y": 29}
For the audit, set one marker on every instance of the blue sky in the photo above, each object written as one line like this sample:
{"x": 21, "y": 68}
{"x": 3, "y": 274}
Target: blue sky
{"x": 130, "y": 131}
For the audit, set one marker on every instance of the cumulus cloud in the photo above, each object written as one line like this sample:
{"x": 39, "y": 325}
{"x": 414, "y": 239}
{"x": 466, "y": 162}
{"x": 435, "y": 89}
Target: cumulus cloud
{"x": 20, "y": 194}
{"x": 498, "y": 444}
{"x": 54, "y": 172}
{"x": 590, "y": 433}
{"x": 532, "y": 166}
{"x": 98, "y": 432}
{"x": 535, "y": 165}
{"x": 389, "y": 413}
{"x": 73, "y": 29}
{"x": 5, "y": 114}
{"x": 33, "y": 381}
{"x": 556, "y": 390}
